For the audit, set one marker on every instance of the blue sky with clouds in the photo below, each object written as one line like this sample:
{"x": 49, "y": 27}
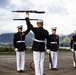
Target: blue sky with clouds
{"x": 59, "y": 13}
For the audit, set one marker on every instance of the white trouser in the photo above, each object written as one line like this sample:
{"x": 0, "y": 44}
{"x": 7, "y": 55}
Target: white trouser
{"x": 54, "y": 58}
{"x": 39, "y": 62}
{"x": 74, "y": 64}
{"x": 20, "y": 57}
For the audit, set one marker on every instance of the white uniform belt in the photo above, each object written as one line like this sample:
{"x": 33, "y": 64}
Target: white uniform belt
{"x": 38, "y": 40}
{"x": 74, "y": 42}
{"x": 20, "y": 41}
{"x": 53, "y": 42}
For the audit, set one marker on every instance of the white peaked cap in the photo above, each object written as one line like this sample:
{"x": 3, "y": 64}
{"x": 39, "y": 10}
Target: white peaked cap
{"x": 20, "y": 26}
{"x": 54, "y": 28}
{"x": 39, "y": 21}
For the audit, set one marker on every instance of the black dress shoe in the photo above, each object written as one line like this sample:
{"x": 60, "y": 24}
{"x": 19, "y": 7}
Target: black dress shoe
{"x": 55, "y": 69}
{"x": 75, "y": 67}
{"x": 21, "y": 71}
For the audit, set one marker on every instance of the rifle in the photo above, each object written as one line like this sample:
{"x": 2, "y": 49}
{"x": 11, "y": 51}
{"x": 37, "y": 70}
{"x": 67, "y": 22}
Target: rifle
{"x": 24, "y": 19}
{"x": 29, "y": 11}
{"x": 50, "y": 61}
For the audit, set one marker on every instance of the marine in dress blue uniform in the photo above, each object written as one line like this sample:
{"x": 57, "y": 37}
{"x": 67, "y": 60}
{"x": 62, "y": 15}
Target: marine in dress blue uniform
{"x": 19, "y": 45}
{"x": 53, "y": 47}
{"x": 38, "y": 45}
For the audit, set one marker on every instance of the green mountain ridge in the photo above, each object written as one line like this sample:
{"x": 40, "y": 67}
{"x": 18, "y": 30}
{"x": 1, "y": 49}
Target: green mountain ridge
{"x": 7, "y": 39}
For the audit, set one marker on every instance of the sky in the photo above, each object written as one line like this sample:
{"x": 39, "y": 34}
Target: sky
{"x": 58, "y": 13}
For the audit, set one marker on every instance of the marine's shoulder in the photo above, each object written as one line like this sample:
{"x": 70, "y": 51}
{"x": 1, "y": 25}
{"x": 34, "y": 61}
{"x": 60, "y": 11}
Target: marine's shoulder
{"x": 50, "y": 35}
{"x": 45, "y": 30}
{"x": 15, "y": 33}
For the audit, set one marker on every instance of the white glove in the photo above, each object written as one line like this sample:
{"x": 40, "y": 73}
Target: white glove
{"x": 48, "y": 50}
{"x": 16, "y": 49}
{"x": 72, "y": 50}
{"x": 27, "y": 14}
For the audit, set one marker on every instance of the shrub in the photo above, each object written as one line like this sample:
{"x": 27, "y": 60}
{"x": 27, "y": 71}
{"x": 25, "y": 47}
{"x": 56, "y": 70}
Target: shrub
{"x": 6, "y": 49}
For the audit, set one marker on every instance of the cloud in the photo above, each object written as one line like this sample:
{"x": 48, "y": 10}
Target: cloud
{"x": 59, "y": 13}
{"x": 20, "y": 4}
{"x": 70, "y": 6}
{"x": 57, "y": 10}
{"x": 4, "y": 3}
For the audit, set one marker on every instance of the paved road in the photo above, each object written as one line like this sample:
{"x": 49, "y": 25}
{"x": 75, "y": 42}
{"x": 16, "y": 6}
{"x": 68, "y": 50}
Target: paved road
{"x": 8, "y": 65}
